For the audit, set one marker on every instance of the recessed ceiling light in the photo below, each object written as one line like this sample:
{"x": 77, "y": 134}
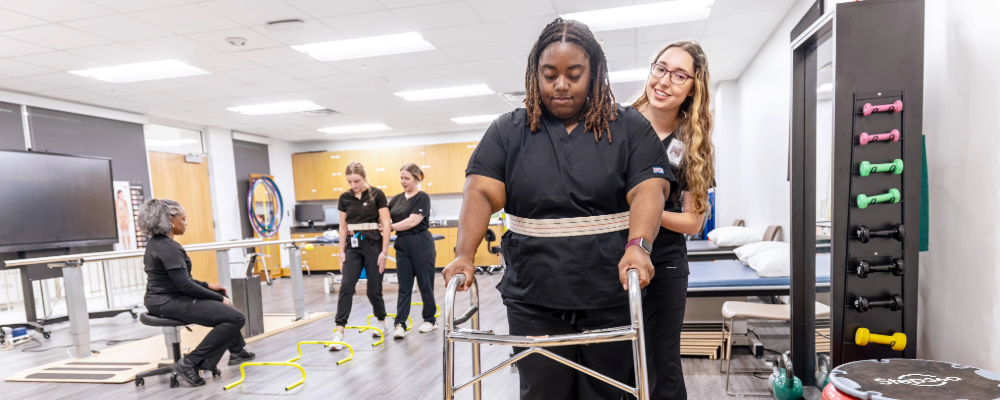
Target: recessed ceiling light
{"x": 366, "y": 47}
{"x": 144, "y": 71}
{"x": 670, "y": 12}
{"x": 277, "y": 108}
{"x": 478, "y": 119}
{"x": 446, "y": 93}
{"x": 355, "y": 129}
{"x": 631, "y": 75}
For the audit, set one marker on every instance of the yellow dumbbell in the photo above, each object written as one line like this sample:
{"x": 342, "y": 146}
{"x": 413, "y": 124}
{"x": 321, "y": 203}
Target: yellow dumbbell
{"x": 897, "y": 341}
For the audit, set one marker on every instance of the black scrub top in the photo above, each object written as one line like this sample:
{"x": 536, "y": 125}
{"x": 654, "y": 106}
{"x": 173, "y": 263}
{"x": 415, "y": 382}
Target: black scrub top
{"x": 401, "y": 208}
{"x": 669, "y": 250}
{"x": 550, "y": 174}
{"x": 164, "y": 254}
{"x": 363, "y": 210}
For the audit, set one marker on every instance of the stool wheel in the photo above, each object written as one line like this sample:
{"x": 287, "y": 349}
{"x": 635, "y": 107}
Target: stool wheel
{"x": 216, "y": 373}
{"x": 173, "y": 381}
{"x": 140, "y": 382}
{"x": 46, "y": 335}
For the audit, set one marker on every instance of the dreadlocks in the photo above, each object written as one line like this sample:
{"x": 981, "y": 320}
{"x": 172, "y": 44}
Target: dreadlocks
{"x": 600, "y": 108}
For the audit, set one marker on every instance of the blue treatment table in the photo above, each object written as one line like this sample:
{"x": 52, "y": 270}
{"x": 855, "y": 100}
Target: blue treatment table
{"x": 731, "y": 278}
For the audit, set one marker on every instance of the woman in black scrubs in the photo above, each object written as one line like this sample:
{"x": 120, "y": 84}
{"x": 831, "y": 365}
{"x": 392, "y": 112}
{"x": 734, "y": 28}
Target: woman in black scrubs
{"x": 364, "y": 244}
{"x": 572, "y": 152}
{"x": 415, "y": 252}
{"x": 172, "y": 293}
{"x": 675, "y": 101}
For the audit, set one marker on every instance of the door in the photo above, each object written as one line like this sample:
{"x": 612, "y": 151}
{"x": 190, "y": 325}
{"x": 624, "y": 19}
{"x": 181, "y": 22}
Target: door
{"x": 187, "y": 184}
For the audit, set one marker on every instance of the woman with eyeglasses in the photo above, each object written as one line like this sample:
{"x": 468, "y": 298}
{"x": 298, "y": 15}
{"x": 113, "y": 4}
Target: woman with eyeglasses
{"x": 675, "y": 101}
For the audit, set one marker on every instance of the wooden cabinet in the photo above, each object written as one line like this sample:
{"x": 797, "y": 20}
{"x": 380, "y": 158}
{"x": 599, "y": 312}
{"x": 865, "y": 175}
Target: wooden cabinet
{"x": 445, "y": 248}
{"x": 459, "y": 154}
{"x": 305, "y": 176}
{"x": 390, "y": 161}
{"x": 320, "y": 258}
{"x": 338, "y": 161}
{"x": 438, "y": 176}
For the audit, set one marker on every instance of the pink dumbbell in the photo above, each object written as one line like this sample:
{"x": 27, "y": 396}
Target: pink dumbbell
{"x": 882, "y": 137}
{"x": 897, "y": 106}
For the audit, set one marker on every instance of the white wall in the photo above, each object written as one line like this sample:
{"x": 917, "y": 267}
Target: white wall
{"x": 959, "y": 277}
{"x": 726, "y": 137}
{"x": 279, "y": 154}
{"x": 222, "y": 178}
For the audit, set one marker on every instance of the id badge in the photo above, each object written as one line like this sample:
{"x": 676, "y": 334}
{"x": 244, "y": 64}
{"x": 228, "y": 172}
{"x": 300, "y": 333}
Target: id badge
{"x": 354, "y": 242}
{"x": 675, "y": 152}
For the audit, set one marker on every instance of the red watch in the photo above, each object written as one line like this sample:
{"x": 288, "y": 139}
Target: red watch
{"x": 641, "y": 242}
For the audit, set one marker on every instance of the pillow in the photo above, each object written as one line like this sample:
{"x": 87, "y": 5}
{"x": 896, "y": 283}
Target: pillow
{"x": 772, "y": 263}
{"x": 732, "y": 236}
{"x": 746, "y": 252}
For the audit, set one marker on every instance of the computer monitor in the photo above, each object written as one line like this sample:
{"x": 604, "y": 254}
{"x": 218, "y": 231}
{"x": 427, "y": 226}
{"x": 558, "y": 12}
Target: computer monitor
{"x": 309, "y": 213}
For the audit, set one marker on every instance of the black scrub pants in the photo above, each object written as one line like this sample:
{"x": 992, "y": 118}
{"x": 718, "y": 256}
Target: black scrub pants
{"x": 365, "y": 256}
{"x": 415, "y": 258}
{"x": 543, "y": 378}
{"x": 226, "y": 322}
{"x": 663, "y": 307}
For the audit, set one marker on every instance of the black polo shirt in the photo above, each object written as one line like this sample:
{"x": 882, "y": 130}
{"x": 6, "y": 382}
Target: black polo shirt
{"x": 162, "y": 255}
{"x": 363, "y": 210}
{"x": 401, "y": 208}
{"x": 550, "y": 174}
{"x": 669, "y": 250}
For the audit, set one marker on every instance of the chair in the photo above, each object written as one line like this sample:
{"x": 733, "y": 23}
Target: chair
{"x": 742, "y": 309}
{"x": 490, "y": 238}
{"x": 172, "y": 335}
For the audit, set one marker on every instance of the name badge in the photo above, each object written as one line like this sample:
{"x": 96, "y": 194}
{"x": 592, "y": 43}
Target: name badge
{"x": 354, "y": 242}
{"x": 675, "y": 152}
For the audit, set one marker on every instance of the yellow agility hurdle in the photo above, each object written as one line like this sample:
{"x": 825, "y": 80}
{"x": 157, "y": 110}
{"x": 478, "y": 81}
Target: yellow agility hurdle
{"x": 438, "y": 314}
{"x": 326, "y": 343}
{"x": 243, "y": 374}
{"x": 409, "y": 321}
{"x": 364, "y": 328}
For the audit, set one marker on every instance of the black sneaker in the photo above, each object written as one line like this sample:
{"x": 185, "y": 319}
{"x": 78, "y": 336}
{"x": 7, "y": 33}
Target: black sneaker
{"x": 243, "y": 356}
{"x": 188, "y": 372}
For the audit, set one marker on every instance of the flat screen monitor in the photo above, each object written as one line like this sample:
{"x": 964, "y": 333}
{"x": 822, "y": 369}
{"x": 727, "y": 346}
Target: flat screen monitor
{"x": 309, "y": 213}
{"x": 55, "y": 201}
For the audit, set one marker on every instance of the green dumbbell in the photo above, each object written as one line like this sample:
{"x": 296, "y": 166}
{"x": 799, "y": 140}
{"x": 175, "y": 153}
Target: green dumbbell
{"x": 896, "y": 167}
{"x": 787, "y": 386}
{"x": 892, "y": 197}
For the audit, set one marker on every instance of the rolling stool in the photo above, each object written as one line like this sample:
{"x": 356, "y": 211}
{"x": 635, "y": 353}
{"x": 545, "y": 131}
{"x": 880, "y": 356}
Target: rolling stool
{"x": 490, "y": 238}
{"x": 172, "y": 335}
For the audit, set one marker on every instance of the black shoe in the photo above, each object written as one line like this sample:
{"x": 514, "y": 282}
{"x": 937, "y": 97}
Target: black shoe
{"x": 243, "y": 356}
{"x": 188, "y": 372}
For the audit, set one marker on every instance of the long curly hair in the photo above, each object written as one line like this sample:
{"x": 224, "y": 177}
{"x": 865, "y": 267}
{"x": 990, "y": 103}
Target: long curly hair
{"x": 601, "y": 108}
{"x": 694, "y": 127}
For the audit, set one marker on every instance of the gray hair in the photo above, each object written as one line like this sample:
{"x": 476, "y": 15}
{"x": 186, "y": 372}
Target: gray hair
{"x": 155, "y": 215}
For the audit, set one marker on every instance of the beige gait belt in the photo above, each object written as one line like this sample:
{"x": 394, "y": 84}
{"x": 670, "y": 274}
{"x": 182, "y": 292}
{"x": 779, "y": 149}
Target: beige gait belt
{"x": 565, "y": 227}
{"x": 368, "y": 226}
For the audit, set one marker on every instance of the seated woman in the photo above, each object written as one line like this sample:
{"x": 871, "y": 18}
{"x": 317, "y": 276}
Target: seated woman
{"x": 172, "y": 293}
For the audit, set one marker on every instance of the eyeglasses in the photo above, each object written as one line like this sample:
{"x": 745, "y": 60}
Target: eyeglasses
{"x": 676, "y": 77}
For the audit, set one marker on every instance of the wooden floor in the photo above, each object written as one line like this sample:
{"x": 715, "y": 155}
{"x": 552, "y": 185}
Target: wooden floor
{"x": 404, "y": 369}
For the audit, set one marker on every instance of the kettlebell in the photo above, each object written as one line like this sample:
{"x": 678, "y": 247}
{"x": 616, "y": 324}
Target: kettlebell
{"x": 823, "y": 370}
{"x": 774, "y": 374}
{"x": 787, "y": 386}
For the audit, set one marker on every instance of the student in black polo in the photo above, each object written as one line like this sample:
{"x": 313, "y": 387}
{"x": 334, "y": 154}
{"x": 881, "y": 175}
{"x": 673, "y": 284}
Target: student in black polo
{"x": 415, "y": 252}
{"x": 364, "y": 244}
{"x": 675, "y": 101}
{"x": 572, "y": 152}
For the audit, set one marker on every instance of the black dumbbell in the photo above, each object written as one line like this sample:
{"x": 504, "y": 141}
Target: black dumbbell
{"x": 864, "y": 268}
{"x": 894, "y": 303}
{"x": 864, "y": 234}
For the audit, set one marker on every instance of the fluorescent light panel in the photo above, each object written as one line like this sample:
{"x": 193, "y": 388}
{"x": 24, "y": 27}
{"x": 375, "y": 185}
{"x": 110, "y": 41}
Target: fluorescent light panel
{"x": 478, "y": 119}
{"x": 138, "y": 72}
{"x": 355, "y": 129}
{"x": 366, "y": 47}
{"x": 277, "y": 108}
{"x": 446, "y": 93}
{"x": 631, "y": 75}
{"x": 670, "y": 12}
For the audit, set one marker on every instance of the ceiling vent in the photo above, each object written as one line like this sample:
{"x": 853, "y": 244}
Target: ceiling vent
{"x": 320, "y": 113}
{"x": 513, "y": 96}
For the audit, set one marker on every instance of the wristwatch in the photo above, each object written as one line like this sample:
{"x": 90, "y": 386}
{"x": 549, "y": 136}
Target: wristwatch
{"x": 641, "y": 242}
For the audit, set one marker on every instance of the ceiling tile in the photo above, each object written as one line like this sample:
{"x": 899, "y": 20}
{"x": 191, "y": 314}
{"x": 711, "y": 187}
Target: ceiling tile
{"x": 671, "y": 32}
{"x": 619, "y": 52}
{"x": 619, "y": 37}
{"x": 367, "y": 24}
{"x": 492, "y": 10}
{"x": 527, "y": 28}
{"x": 209, "y": 81}
{"x": 420, "y": 59}
{"x": 339, "y": 81}
{"x": 275, "y": 56}
{"x": 258, "y": 75}
{"x": 571, "y": 6}
{"x": 119, "y": 28}
{"x": 115, "y": 54}
{"x": 766, "y": 20}
{"x": 316, "y": 95}
{"x": 17, "y": 69}
{"x": 520, "y": 48}
{"x": 113, "y": 90}
{"x": 56, "y": 10}
{"x": 308, "y": 70}
{"x": 753, "y": 39}
{"x": 117, "y": 103}
{"x": 26, "y": 86}
{"x": 149, "y": 98}
{"x": 161, "y": 85}
{"x": 56, "y": 37}
{"x": 267, "y": 98}
{"x": 10, "y": 20}
{"x": 64, "y": 80}
{"x": 219, "y": 62}
{"x": 71, "y": 94}
{"x": 733, "y": 7}
{"x": 435, "y": 16}
{"x": 254, "y": 40}
{"x": 288, "y": 86}
{"x": 437, "y": 71}
{"x": 255, "y": 12}
{"x": 14, "y": 48}
{"x": 313, "y": 32}
{"x": 483, "y": 51}
{"x": 61, "y": 61}
{"x": 136, "y": 5}
{"x": 364, "y": 64}
{"x": 451, "y": 37}
{"x": 173, "y": 47}
{"x": 409, "y": 3}
{"x": 243, "y": 90}
{"x": 186, "y": 19}
{"x": 330, "y": 8}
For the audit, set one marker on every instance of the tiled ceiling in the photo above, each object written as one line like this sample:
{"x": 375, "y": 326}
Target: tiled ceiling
{"x": 478, "y": 41}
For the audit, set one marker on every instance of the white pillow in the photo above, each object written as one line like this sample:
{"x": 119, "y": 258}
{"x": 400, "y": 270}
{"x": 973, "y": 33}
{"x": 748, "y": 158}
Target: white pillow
{"x": 772, "y": 263}
{"x": 732, "y": 236}
{"x": 746, "y": 252}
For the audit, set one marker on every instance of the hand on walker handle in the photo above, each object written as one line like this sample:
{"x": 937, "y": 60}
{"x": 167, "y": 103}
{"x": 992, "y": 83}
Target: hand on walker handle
{"x": 460, "y": 266}
{"x": 637, "y": 259}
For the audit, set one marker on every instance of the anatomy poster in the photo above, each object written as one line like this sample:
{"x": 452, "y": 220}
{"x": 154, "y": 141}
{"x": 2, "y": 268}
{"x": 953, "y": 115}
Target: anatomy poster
{"x": 124, "y": 217}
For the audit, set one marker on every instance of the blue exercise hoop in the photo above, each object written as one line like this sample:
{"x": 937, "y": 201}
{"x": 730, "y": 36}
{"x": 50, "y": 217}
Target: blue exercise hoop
{"x": 275, "y": 214}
